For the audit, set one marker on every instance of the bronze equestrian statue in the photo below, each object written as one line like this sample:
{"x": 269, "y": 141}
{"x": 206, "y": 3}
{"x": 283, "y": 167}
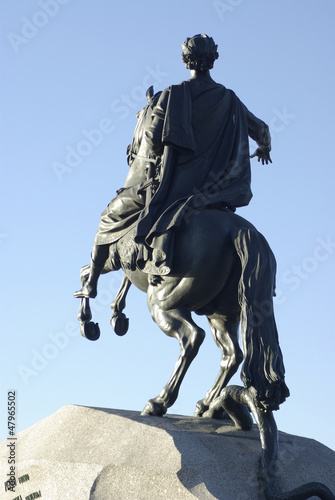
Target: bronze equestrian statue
{"x": 174, "y": 232}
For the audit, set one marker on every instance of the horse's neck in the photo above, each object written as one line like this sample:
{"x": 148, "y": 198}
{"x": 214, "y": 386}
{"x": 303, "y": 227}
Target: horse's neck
{"x": 143, "y": 122}
{"x": 138, "y": 170}
{"x": 144, "y": 150}
{"x": 141, "y": 150}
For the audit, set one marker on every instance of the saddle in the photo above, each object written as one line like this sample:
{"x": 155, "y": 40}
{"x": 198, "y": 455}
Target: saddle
{"x": 129, "y": 255}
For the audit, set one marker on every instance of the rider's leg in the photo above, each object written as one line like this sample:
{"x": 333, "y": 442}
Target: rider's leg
{"x": 98, "y": 260}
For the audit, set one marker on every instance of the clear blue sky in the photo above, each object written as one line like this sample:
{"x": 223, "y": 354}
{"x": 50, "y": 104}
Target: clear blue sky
{"x": 71, "y": 67}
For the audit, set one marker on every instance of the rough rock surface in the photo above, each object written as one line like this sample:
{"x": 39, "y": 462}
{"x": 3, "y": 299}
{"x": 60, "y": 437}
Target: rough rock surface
{"x": 87, "y": 453}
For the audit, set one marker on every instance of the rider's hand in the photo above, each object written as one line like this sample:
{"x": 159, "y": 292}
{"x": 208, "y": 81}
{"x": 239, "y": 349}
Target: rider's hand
{"x": 262, "y": 155}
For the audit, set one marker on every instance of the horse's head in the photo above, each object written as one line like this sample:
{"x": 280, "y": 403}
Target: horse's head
{"x": 144, "y": 117}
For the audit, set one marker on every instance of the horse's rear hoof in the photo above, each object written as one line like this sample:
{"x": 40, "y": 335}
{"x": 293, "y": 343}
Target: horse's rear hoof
{"x": 153, "y": 409}
{"x": 200, "y": 409}
{"x": 90, "y": 331}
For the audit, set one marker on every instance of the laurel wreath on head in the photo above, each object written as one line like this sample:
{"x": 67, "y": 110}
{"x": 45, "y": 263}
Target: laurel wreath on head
{"x": 197, "y": 55}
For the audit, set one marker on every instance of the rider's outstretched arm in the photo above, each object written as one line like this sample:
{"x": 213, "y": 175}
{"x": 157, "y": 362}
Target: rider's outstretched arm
{"x": 260, "y": 133}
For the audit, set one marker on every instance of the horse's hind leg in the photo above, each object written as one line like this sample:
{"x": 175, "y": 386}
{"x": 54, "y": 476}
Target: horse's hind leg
{"x": 225, "y": 333}
{"x": 176, "y": 323}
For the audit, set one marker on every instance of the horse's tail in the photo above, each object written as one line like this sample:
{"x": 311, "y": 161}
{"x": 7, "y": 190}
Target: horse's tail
{"x": 263, "y": 367}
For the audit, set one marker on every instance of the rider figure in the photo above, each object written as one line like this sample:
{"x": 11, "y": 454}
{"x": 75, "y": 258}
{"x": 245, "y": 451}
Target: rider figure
{"x": 200, "y": 129}
{"x": 123, "y": 211}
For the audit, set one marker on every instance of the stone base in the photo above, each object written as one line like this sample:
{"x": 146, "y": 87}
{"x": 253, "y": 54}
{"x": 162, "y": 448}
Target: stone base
{"x": 86, "y": 453}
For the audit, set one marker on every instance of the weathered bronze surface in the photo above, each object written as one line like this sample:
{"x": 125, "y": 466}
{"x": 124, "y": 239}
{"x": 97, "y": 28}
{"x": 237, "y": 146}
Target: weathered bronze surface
{"x": 173, "y": 230}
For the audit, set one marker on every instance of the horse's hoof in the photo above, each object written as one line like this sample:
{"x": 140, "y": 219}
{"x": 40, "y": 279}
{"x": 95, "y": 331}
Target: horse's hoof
{"x": 120, "y": 323}
{"x": 200, "y": 408}
{"x": 90, "y": 331}
{"x": 154, "y": 409}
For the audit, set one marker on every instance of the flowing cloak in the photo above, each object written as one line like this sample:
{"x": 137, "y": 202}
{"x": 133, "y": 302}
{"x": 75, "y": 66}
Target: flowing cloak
{"x": 205, "y": 163}
{"x": 121, "y": 214}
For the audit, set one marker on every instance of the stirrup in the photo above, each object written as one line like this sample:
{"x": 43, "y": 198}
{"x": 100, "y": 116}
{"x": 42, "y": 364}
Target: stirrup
{"x": 85, "y": 293}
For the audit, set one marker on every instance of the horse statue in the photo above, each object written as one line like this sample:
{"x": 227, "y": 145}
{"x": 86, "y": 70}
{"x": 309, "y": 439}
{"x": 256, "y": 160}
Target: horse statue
{"x": 224, "y": 270}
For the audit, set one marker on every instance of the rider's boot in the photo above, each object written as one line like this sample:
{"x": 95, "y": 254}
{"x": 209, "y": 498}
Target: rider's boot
{"x": 98, "y": 259}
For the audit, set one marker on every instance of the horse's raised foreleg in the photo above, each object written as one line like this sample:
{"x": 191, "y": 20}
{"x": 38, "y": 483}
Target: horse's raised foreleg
{"x": 225, "y": 334}
{"x": 119, "y": 321}
{"x": 176, "y": 323}
{"x": 84, "y": 314}
{"x": 88, "y": 329}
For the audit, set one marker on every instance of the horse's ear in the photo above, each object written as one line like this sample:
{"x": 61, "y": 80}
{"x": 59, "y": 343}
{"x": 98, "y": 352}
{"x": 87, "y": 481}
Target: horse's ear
{"x": 149, "y": 93}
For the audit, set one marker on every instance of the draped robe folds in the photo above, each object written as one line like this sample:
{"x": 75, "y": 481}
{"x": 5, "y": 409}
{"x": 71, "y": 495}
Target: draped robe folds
{"x": 205, "y": 163}
{"x": 121, "y": 214}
